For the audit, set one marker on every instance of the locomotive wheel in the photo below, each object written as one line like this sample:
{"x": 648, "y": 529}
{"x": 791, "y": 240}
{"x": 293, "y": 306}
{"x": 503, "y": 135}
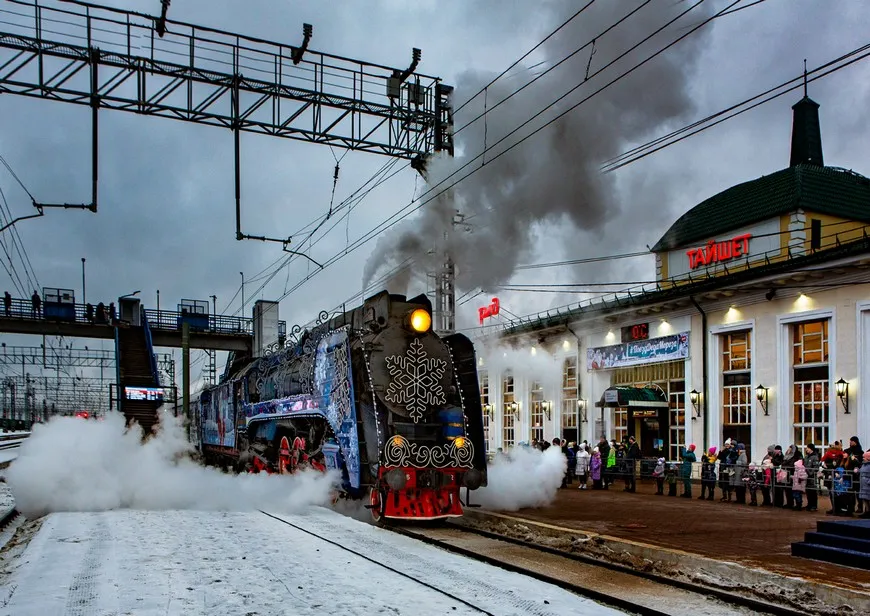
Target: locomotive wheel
{"x": 283, "y": 456}
{"x": 375, "y": 502}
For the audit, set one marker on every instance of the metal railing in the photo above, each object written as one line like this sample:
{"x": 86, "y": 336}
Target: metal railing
{"x": 158, "y": 320}
{"x": 171, "y": 320}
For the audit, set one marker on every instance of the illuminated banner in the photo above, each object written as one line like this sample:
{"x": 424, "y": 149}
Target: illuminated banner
{"x": 719, "y": 252}
{"x": 151, "y": 394}
{"x": 488, "y": 311}
{"x": 666, "y": 348}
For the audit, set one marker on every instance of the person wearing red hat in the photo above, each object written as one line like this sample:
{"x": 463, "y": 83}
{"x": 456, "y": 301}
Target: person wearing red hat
{"x": 689, "y": 459}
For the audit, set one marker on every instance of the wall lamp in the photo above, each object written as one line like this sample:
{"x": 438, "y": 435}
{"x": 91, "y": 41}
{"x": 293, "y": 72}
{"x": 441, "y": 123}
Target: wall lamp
{"x": 694, "y": 396}
{"x": 761, "y": 396}
{"x": 487, "y": 408}
{"x": 581, "y": 406}
{"x": 547, "y": 405}
{"x": 843, "y": 393}
{"x": 514, "y": 408}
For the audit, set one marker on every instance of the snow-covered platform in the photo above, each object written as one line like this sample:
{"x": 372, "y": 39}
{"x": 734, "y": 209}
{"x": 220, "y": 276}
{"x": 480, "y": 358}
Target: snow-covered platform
{"x": 190, "y": 563}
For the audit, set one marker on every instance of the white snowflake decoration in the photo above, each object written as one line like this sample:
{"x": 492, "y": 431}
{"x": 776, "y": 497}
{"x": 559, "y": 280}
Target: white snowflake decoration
{"x": 416, "y": 380}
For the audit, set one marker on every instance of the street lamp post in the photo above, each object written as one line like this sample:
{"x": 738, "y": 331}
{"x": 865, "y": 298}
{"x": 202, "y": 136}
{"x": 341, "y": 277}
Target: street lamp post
{"x": 158, "y": 300}
{"x": 84, "y": 288}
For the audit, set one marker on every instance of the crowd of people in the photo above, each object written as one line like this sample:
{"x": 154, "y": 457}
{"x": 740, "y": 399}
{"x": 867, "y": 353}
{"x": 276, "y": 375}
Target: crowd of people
{"x": 790, "y": 479}
{"x": 101, "y": 314}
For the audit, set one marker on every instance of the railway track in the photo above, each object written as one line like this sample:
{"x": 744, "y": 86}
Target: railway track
{"x": 615, "y": 581}
{"x": 380, "y": 564}
{"x": 658, "y": 602}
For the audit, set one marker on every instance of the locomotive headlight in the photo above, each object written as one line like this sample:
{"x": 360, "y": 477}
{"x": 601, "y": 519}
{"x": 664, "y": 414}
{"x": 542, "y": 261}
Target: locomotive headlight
{"x": 396, "y": 479}
{"x": 459, "y": 441}
{"x": 420, "y": 320}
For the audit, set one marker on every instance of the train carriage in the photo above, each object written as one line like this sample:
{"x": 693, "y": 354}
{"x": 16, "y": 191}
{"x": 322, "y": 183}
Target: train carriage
{"x": 372, "y": 393}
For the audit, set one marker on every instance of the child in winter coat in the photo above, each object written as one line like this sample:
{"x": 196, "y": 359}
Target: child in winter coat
{"x": 671, "y": 478}
{"x": 798, "y": 484}
{"x": 595, "y": 469}
{"x": 582, "y": 465}
{"x": 708, "y": 474}
{"x": 659, "y": 475}
{"x": 750, "y": 482}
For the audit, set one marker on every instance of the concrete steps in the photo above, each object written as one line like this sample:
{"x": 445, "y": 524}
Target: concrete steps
{"x": 843, "y": 542}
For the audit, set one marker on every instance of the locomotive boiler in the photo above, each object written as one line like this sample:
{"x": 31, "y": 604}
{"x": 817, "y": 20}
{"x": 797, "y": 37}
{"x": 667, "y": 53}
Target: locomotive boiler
{"x": 371, "y": 392}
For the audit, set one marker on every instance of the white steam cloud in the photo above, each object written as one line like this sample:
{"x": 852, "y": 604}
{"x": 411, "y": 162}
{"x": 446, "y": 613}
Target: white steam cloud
{"x": 523, "y": 478}
{"x": 71, "y": 464}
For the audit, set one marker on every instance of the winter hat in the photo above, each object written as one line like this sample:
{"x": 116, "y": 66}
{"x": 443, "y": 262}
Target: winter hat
{"x": 728, "y": 441}
{"x": 692, "y": 447}
{"x": 595, "y": 450}
{"x": 662, "y": 460}
{"x": 712, "y": 451}
{"x": 799, "y": 463}
{"x": 741, "y": 447}
{"x": 770, "y": 449}
{"x": 752, "y": 466}
{"x": 778, "y": 448}
{"x": 811, "y": 447}
{"x": 767, "y": 464}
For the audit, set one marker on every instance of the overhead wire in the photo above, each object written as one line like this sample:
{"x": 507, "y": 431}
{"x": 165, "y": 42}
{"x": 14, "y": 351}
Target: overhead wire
{"x": 651, "y": 147}
{"x": 410, "y": 208}
{"x": 525, "y": 55}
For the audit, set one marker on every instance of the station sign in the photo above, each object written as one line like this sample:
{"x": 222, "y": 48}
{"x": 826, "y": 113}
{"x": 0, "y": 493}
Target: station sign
{"x": 150, "y": 394}
{"x": 491, "y": 310}
{"x": 719, "y": 251}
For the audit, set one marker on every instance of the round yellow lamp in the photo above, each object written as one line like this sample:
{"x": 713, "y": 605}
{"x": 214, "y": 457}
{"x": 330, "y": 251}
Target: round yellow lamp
{"x": 460, "y": 442}
{"x": 421, "y": 320}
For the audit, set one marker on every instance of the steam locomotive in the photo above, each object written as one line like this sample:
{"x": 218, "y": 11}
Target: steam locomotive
{"x": 371, "y": 392}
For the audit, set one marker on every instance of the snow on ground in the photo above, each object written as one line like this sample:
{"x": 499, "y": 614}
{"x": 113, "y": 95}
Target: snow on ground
{"x": 194, "y": 562}
{"x": 7, "y": 501}
{"x": 7, "y": 455}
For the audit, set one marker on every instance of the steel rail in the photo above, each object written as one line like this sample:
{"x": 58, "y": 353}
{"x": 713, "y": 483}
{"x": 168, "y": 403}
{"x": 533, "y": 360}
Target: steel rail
{"x": 760, "y": 607}
{"x": 379, "y": 563}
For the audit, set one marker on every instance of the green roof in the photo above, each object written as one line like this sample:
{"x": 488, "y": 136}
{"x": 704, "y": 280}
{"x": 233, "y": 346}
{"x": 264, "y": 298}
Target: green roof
{"x": 824, "y": 190}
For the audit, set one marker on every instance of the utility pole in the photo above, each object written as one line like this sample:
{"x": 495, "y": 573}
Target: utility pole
{"x": 185, "y": 366}
{"x": 84, "y": 288}
{"x": 242, "y": 274}
{"x": 445, "y": 284}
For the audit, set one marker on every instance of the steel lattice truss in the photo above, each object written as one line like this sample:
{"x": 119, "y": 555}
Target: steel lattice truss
{"x": 63, "y": 358}
{"x": 109, "y": 58}
{"x": 63, "y": 394}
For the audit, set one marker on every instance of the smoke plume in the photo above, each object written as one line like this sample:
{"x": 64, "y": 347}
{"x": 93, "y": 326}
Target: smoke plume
{"x": 553, "y": 178}
{"x": 71, "y": 464}
{"x": 523, "y": 478}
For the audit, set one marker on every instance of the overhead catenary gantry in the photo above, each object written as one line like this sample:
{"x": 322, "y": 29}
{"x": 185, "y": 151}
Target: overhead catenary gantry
{"x": 108, "y": 58}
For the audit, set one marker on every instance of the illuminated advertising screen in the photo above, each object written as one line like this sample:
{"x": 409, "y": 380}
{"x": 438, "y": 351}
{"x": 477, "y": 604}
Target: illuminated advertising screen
{"x": 151, "y": 394}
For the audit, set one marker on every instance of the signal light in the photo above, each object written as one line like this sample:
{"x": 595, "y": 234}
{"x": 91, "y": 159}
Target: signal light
{"x": 420, "y": 320}
{"x": 459, "y": 441}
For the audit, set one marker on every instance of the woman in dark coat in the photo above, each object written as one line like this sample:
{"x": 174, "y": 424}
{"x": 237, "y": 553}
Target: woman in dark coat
{"x": 854, "y": 460}
{"x": 779, "y": 487}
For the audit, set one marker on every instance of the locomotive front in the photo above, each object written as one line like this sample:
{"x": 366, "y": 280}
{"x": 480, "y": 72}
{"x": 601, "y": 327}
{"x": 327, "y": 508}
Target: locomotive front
{"x": 424, "y": 418}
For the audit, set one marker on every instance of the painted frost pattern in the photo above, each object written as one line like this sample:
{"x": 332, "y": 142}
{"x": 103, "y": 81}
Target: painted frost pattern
{"x": 416, "y": 380}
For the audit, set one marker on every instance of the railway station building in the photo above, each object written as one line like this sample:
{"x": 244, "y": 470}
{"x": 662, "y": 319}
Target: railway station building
{"x": 757, "y": 329}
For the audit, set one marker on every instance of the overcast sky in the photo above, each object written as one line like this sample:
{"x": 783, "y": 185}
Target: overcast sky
{"x": 166, "y": 218}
